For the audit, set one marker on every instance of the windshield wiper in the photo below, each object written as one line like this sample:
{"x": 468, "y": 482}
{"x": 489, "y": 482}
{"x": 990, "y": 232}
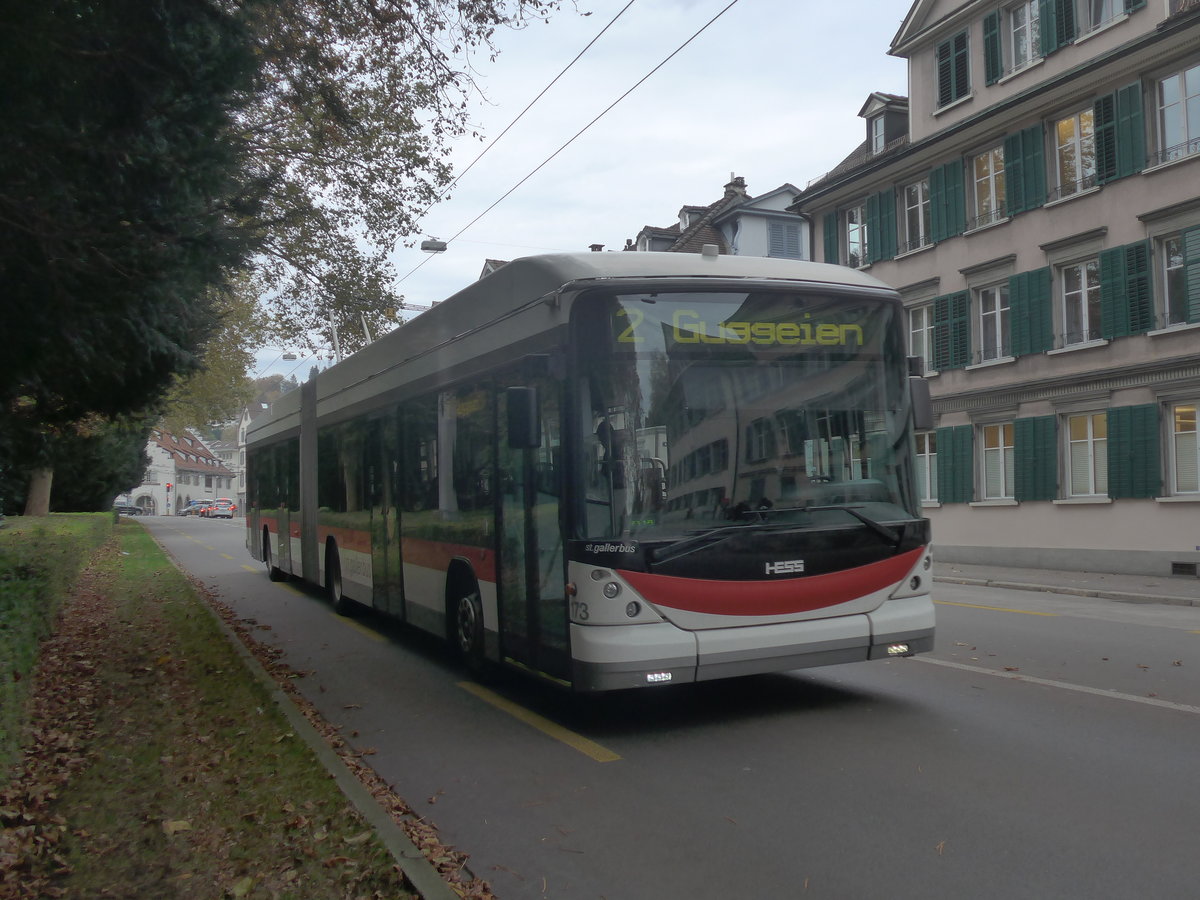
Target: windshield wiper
{"x": 686, "y": 545}
{"x": 879, "y": 528}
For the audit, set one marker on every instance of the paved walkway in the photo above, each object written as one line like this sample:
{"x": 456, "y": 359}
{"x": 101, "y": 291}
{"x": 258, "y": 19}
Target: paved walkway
{"x": 1178, "y": 590}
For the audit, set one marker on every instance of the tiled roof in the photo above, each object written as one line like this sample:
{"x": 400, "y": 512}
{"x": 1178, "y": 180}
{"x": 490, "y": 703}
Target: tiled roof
{"x": 189, "y": 453}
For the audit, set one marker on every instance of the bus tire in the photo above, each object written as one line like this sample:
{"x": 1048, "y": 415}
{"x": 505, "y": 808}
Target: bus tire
{"x": 468, "y": 631}
{"x": 274, "y": 573}
{"x": 342, "y": 605}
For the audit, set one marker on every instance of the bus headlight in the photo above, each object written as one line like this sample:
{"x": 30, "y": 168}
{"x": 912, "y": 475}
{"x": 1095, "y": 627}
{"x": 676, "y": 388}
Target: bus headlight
{"x": 632, "y": 608}
{"x": 611, "y": 590}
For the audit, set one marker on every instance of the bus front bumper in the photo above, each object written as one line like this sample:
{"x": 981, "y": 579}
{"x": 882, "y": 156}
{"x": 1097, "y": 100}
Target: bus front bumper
{"x": 615, "y": 657}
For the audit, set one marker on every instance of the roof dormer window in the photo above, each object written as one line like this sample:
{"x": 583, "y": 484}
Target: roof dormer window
{"x": 875, "y": 134}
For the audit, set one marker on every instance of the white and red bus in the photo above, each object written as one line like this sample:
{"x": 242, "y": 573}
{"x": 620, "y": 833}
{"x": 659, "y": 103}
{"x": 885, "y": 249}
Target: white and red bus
{"x": 617, "y": 470}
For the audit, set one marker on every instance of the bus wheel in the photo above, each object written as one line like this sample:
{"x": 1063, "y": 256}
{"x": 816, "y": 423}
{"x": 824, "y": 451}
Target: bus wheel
{"x": 342, "y": 605}
{"x": 468, "y": 631}
{"x": 273, "y": 572}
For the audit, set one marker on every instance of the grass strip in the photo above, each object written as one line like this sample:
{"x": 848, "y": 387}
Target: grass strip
{"x": 158, "y": 768}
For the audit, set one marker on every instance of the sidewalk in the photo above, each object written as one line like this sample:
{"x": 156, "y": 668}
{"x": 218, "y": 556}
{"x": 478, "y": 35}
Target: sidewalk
{"x": 1175, "y": 590}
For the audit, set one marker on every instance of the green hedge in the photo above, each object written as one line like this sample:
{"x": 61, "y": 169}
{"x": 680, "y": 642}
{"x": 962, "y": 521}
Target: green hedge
{"x": 39, "y": 561}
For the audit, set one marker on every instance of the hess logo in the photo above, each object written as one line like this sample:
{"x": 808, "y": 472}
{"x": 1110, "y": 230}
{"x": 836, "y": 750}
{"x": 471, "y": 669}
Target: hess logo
{"x": 785, "y": 567}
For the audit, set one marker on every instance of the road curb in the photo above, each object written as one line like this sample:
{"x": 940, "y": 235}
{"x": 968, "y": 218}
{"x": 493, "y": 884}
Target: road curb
{"x": 1124, "y": 596}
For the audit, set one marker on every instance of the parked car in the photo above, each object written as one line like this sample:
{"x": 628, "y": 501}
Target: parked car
{"x": 127, "y": 510}
{"x": 221, "y": 508}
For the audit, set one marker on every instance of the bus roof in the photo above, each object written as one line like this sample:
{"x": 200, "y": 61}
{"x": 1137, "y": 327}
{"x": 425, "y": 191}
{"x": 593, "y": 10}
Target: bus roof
{"x": 520, "y": 283}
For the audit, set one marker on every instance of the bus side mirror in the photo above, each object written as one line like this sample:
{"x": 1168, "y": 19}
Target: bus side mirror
{"x": 524, "y": 419}
{"x": 922, "y": 403}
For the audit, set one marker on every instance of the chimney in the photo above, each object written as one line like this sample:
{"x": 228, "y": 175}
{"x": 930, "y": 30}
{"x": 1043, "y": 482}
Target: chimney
{"x": 736, "y": 187}
{"x": 595, "y": 248}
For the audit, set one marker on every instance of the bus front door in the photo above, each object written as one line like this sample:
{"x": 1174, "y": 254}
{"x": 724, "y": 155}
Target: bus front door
{"x": 533, "y": 610}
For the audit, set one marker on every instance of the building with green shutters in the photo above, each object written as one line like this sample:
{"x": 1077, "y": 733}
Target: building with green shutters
{"x": 1036, "y": 200}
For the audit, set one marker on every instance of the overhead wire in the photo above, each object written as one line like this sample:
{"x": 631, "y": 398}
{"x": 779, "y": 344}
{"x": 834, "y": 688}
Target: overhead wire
{"x": 581, "y": 131}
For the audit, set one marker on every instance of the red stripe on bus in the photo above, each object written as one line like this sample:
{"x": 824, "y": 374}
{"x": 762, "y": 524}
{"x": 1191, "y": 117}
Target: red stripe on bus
{"x": 438, "y": 554}
{"x": 771, "y": 598}
{"x": 347, "y": 538}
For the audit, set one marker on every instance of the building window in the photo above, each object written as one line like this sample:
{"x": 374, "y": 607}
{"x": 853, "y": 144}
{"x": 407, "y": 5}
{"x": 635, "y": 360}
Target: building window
{"x": 1087, "y": 454}
{"x": 953, "y": 69}
{"x": 784, "y": 241}
{"x": 1185, "y": 465}
{"x": 998, "y": 462}
{"x": 1181, "y": 257}
{"x": 1179, "y": 114}
{"x": 927, "y": 466}
{"x": 1081, "y": 302}
{"x": 1075, "y": 153}
{"x": 994, "y": 342}
{"x": 1101, "y": 12}
{"x": 856, "y": 236}
{"x": 875, "y": 134}
{"x": 917, "y": 233}
{"x": 1024, "y": 28}
{"x": 920, "y": 334}
{"x": 988, "y": 175}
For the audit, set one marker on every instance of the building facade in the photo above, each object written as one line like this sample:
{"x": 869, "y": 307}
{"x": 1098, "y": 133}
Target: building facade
{"x": 181, "y": 469}
{"x": 1036, "y": 201}
{"x": 739, "y": 224}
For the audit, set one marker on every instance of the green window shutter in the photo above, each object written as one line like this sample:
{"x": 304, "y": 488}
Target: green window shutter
{"x": 952, "y": 331}
{"x": 1131, "y": 132}
{"x": 873, "y": 229}
{"x": 1035, "y": 458}
{"x": 993, "y": 61}
{"x": 953, "y": 69}
{"x": 831, "y": 238}
{"x": 881, "y": 226}
{"x": 1029, "y": 295}
{"x": 1126, "y": 300}
{"x": 1134, "y": 464}
{"x": 1064, "y": 21}
{"x": 1024, "y": 170}
{"x": 1119, "y": 133}
{"x": 947, "y": 201}
{"x": 955, "y": 467}
{"x": 1191, "y": 272}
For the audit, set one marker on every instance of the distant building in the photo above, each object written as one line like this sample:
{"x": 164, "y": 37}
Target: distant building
{"x": 1036, "y": 201}
{"x": 738, "y": 224}
{"x": 182, "y": 468}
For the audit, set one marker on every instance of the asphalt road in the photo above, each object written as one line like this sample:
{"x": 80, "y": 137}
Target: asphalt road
{"x": 1047, "y": 749}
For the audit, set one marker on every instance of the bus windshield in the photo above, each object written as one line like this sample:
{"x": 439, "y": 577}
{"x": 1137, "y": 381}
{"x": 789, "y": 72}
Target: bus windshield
{"x": 702, "y": 410}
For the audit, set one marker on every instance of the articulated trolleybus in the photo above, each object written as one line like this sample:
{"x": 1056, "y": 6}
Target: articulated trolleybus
{"x": 616, "y": 470}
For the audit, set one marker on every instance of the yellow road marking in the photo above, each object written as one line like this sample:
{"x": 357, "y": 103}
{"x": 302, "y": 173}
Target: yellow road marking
{"x": 249, "y": 568}
{"x": 363, "y": 629}
{"x": 1023, "y": 612}
{"x": 227, "y": 556}
{"x": 551, "y": 729}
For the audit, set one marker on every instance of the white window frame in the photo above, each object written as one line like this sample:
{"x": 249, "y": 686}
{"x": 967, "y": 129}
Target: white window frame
{"x": 1024, "y": 29}
{"x": 1185, "y": 448}
{"x": 1187, "y": 141}
{"x": 1085, "y": 296}
{"x": 998, "y": 462}
{"x": 920, "y": 333}
{"x": 987, "y": 189}
{"x": 1098, "y": 13}
{"x": 927, "y": 466}
{"x": 876, "y": 134}
{"x": 856, "y": 235}
{"x": 916, "y": 205}
{"x": 1086, "y": 436}
{"x": 994, "y": 322}
{"x": 1075, "y": 147}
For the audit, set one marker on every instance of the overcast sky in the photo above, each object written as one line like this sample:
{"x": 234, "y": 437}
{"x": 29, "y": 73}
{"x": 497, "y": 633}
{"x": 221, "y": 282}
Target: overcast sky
{"x": 770, "y": 91}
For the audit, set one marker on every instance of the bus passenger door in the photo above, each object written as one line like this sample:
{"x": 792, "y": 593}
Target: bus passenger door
{"x": 533, "y": 613}
{"x": 383, "y": 464}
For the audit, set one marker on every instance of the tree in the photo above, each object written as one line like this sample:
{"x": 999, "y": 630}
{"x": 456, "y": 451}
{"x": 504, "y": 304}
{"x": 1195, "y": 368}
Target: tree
{"x": 121, "y": 198}
{"x": 348, "y": 127}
